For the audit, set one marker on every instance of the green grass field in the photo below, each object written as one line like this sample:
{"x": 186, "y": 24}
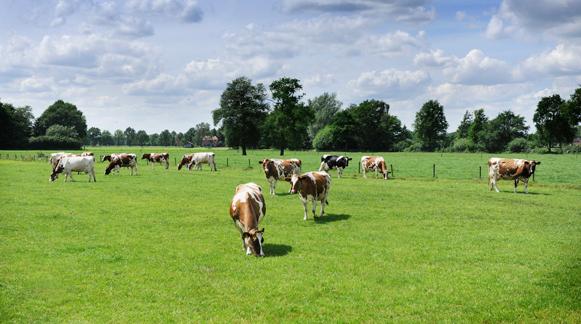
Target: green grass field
{"x": 161, "y": 247}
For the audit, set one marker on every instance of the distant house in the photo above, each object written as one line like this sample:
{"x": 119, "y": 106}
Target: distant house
{"x": 189, "y": 145}
{"x": 210, "y": 141}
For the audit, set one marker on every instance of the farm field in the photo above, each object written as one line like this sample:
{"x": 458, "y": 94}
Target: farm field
{"x": 161, "y": 247}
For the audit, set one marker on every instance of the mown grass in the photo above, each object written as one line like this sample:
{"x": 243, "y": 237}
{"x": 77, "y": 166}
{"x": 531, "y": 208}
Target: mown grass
{"x": 160, "y": 247}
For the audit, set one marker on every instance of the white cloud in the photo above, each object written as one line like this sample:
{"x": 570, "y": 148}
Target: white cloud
{"x": 186, "y": 10}
{"x": 36, "y": 84}
{"x": 390, "y": 83}
{"x": 564, "y": 59}
{"x": 391, "y": 44}
{"x": 477, "y": 68}
{"x": 434, "y": 58}
{"x": 521, "y": 18}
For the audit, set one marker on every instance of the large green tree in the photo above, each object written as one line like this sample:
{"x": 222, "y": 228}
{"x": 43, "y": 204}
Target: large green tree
{"x": 477, "y": 129}
{"x": 130, "y": 136}
{"x": 61, "y": 113}
{"x": 165, "y": 138}
{"x": 15, "y": 125}
{"x": 503, "y": 129}
{"x": 324, "y": 108}
{"x": 462, "y": 131}
{"x": 141, "y": 138}
{"x": 552, "y": 121}
{"x": 107, "y": 138}
{"x": 93, "y": 136}
{"x": 430, "y": 125}
{"x": 288, "y": 122}
{"x": 242, "y": 110}
{"x": 201, "y": 130}
{"x": 119, "y": 137}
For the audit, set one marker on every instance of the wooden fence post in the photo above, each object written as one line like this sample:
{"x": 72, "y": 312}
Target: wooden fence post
{"x": 391, "y": 169}
{"x": 249, "y": 163}
{"x": 226, "y": 162}
{"x": 480, "y": 172}
{"x": 434, "y": 170}
{"x": 359, "y": 167}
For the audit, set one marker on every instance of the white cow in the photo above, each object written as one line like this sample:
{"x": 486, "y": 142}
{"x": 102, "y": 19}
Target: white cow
{"x": 68, "y": 164}
{"x": 55, "y": 157}
{"x": 203, "y": 157}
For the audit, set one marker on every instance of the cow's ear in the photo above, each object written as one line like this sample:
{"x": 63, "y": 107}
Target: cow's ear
{"x": 261, "y": 231}
{"x": 537, "y": 162}
{"x": 260, "y": 162}
{"x": 245, "y": 235}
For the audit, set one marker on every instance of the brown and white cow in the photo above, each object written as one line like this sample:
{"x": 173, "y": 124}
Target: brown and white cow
{"x": 247, "y": 209}
{"x": 161, "y": 158}
{"x": 314, "y": 186}
{"x": 510, "y": 169}
{"x": 375, "y": 164}
{"x": 122, "y": 160}
{"x": 275, "y": 169}
{"x": 197, "y": 159}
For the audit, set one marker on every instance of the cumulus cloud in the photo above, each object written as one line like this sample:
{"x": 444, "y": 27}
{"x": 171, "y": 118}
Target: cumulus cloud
{"x": 36, "y": 84}
{"x": 434, "y": 58}
{"x": 390, "y": 83}
{"x": 186, "y": 10}
{"x": 391, "y": 43}
{"x": 208, "y": 74}
{"x": 559, "y": 61}
{"x": 409, "y": 11}
{"x": 522, "y": 18}
{"x": 477, "y": 68}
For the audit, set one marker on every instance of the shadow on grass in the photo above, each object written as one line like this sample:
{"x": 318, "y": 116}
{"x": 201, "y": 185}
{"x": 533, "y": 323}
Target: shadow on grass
{"x": 283, "y": 194}
{"x": 328, "y": 218}
{"x": 276, "y": 250}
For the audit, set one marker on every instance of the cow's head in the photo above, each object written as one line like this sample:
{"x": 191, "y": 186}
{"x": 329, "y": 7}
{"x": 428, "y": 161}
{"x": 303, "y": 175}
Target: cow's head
{"x": 55, "y": 172}
{"x": 347, "y": 159}
{"x": 267, "y": 165}
{"x": 531, "y": 165}
{"x": 254, "y": 240}
{"x": 185, "y": 160}
{"x": 296, "y": 183}
{"x": 146, "y": 156}
{"x": 112, "y": 165}
{"x": 106, "y": 158}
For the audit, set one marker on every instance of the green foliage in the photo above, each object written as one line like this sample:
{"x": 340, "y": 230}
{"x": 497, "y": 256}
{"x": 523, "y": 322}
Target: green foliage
{"x": 94, "y": 136}
{"x": 130, "y": 136}
{"x": 463, "y": 145}
{"x": 46, "y": 142}
{"x": 552, "y": 122}
{"x": 477, "y": 130}
{"x": 165, "y": 138}
{"x": 503, "y": 129}
{"x": 430, "y": 125}
{"x": 201, "y": 130}
{"x": 15, "y": 126}
{"x": 464, "y": 126}
{"x": 288, "y": 122}
{"x": 324, "y": 108}
{"x": 61, "y": 113}
{"x": 324, "y": 139}
{"x": 119, "y": 137}
{"x": 107, "y": 138}
{"x": 518, "y": 145}
{"x": 62, "y": 131}
{"x": 242, "y": 110}
{"x": 142, "y": 138}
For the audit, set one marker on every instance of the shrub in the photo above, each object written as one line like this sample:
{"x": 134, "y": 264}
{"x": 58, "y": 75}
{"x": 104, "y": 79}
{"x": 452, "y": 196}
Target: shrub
{"x": 401, "y": 146}
{"x": 55, "y": 143}
{"x": 415, "y": 147}
{"x": 463, "y": 145}
{"x": 518, "y": 145}
{"x": 324, "y": 139}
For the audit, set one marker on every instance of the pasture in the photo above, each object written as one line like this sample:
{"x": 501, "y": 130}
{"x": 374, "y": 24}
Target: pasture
{"x": 161, "y": 247}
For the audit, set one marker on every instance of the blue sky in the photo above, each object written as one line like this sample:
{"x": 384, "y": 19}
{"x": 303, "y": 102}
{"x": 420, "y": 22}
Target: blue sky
{"x": 162, "y": 64}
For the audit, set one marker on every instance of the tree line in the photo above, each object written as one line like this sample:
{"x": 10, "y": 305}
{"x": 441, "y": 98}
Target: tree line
{"x": 248, "y": 117}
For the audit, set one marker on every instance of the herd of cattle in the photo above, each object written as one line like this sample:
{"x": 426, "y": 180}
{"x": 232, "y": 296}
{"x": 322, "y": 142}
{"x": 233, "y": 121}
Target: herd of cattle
{"x": 248, "y": 206}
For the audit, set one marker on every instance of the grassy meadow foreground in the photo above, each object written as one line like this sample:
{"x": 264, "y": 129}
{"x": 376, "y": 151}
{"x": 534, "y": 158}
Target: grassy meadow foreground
{"x": 161, "y": 246}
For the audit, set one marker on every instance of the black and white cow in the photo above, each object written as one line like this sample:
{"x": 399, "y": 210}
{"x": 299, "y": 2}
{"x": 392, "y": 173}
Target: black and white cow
{"x": 338, "y": 162}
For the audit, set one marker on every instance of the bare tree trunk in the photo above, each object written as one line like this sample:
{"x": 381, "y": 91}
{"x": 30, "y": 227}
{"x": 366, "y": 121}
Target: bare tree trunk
{"x": 281, "y": 151}
{"x": 243, "y": 149}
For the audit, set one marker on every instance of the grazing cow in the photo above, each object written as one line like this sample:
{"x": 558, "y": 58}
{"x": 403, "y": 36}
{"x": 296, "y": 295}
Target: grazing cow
{"x": 275, "y": 170}
{"x": 68, "y": 164}
{"x": 117, "y": 161}
{"x": 200, "y": 158}
{"x": 312, "y": 185}
{"x": 247, "y": 210}
{"x": 510, "y": 169}
{"x": 186, "y": 159}
{"x": 375, "y": 164}
{"x": 161, "y": 158}
{"x": 329, "y": 162}
{"x": 55, "y": 157}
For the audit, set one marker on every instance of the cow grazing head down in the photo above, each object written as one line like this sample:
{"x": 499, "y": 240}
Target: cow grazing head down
{"x": 185, "y": 160}
{"x": 55, "y": 172}
{"x": 254, "y": 240}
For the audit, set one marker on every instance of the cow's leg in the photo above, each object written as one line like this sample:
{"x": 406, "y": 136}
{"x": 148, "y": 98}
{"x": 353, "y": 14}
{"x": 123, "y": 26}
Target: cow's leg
{"x": 515, "y": 184}
{"x": 305, "y": 201}
{"x": 364, "y": 173}
{"x": 526, "y": 182}
{"x": 314, "y": 207}
{"x": 272, "y": 184}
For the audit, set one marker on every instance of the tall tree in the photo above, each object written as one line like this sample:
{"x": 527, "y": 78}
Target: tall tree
{"x": 107, "y": 138}
{"x": 165, "y": 138}
{"x": 142, "y": 138}
{"x": 551, "y": 122}
{"x": 430, "y": 125}
{"x": 190, "y": 135}
{"x": 287, "y": 123}
{"x": 130, "y": 136}
{"x": 242, "y": 110}
{"x": 477, "y": 130}
{"x": 202, "y": 130}
{"x": 324, "y": 108}
{"x": 464, "y": 126}
{"x": 61, "y": 113}
{"x": 154, "y": 139}
{"x": 119, "y": 137}
{"x": 94, "y": 136}
{"x": 15, "y": 125}
{"x": 503, "y": 129}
